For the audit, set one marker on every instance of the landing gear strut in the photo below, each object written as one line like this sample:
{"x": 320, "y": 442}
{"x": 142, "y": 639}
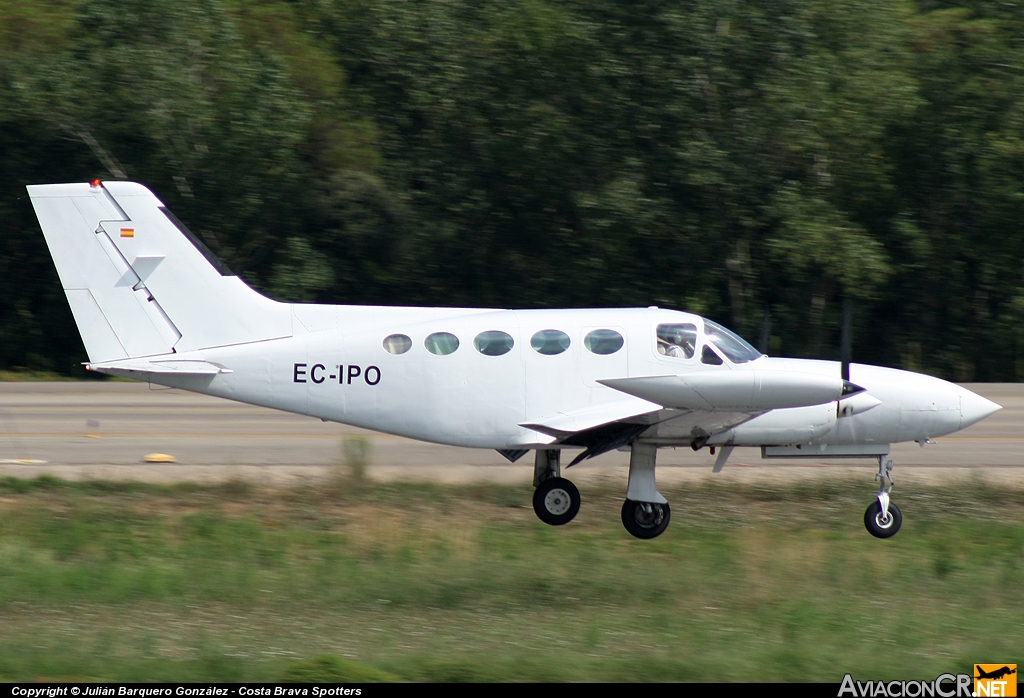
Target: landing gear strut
{"x": 883, "y": 518}
{"x": 645, "y": 513}
{"x": 556, "y": 500}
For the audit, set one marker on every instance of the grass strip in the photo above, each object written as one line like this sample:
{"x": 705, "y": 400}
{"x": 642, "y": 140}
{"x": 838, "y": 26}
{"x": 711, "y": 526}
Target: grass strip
{"x": 132, "y": 582}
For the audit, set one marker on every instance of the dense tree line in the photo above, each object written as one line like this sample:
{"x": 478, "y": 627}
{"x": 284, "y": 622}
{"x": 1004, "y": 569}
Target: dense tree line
{"x": 755, "y": 161}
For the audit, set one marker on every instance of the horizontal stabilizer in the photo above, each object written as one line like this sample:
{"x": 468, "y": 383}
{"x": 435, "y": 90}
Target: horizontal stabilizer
{"x": 136, "y": 368}
{"x": 750, "y": 390}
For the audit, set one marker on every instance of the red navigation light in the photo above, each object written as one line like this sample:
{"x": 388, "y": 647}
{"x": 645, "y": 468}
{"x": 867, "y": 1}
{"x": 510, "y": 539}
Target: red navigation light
{"x": 94, "y": 183}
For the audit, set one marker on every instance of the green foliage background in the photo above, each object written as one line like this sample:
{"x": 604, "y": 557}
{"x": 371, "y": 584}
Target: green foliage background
{"x": 754, "y": 161}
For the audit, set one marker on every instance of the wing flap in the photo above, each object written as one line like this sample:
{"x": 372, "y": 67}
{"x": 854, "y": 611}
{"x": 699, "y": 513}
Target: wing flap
{"x": 565, "y": 423}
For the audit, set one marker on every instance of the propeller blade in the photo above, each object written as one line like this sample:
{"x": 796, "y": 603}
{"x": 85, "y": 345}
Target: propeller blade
{"x": 846, "y": 338}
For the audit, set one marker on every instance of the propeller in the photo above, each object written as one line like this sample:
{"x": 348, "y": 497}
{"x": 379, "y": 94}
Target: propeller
{"x": 845, "y": 352}
{"x": 846, "y": 338}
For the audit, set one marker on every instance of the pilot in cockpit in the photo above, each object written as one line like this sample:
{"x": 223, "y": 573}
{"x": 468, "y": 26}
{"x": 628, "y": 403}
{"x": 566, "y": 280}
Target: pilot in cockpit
{"x": 677, "y": 340}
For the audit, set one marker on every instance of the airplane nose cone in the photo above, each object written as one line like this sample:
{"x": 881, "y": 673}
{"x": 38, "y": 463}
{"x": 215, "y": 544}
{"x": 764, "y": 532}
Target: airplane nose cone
{"x": 974, "y": 408}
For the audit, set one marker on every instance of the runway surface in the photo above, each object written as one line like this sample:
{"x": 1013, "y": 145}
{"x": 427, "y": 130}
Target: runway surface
{"x": 103, "y": 430}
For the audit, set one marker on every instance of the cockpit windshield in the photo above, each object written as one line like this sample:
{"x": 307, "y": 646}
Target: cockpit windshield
{"x": 731, "y": 344}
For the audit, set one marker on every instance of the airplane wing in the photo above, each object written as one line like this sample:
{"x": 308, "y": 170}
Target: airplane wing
{"x": 602, "y": 428}
{"x": 687, "y": 407}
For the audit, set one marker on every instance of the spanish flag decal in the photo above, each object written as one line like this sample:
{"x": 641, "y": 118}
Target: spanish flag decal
{"x": 127, "y": 232}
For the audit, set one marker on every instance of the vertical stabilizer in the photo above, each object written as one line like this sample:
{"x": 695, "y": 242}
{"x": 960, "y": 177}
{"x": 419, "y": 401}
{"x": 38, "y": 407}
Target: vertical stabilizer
{"x": 139, "y": 282}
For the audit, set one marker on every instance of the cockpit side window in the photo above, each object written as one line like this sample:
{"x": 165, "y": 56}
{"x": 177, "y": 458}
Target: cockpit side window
{"x": 708, "y": 356}
{"x": 677, "y": 340}
{"x": 731, "y": 344}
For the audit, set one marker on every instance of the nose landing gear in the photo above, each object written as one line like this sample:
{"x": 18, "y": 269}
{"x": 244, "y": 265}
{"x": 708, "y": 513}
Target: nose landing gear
{"x": 883, "y": 518}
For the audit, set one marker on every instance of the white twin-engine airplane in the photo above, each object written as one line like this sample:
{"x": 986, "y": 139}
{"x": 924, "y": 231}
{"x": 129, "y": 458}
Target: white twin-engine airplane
{"x": 153, "y": 303}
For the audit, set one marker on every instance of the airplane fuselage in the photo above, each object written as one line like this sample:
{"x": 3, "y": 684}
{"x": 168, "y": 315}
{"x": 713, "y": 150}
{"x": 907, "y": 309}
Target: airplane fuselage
{"x": 468, "y": 398}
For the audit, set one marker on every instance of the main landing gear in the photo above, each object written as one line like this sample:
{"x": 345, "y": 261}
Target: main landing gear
{"x": 645, "y": 513}
{"x": 883, "y": 518}
{"x": 556, "y": 500}
{"x": 645, "y": 519}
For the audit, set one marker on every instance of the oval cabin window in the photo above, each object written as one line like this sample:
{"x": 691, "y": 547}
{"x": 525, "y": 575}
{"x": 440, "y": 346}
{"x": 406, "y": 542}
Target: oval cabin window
{"x": 397, "y": 344}
{"x": 550, "y": 342}
{"x": 441, "y": 343}
{"x": 493, "y": 343}
{"x": 603, "y": 341}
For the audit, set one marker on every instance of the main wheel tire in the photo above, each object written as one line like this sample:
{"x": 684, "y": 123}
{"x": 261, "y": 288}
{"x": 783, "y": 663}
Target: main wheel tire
{"x": 879, "y": 527}
{"x": 556, "y": 501}
{"x": 645, "y": 519}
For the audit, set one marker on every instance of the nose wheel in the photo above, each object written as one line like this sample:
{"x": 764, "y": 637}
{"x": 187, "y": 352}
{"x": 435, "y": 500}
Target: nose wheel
{"x": 883, "y": 518}
{"x": 882, "y": 525}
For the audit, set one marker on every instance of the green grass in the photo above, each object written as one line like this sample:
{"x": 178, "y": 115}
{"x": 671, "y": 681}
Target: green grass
{"x": 31, "y": 375}
{"x": 128, "y": 581}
